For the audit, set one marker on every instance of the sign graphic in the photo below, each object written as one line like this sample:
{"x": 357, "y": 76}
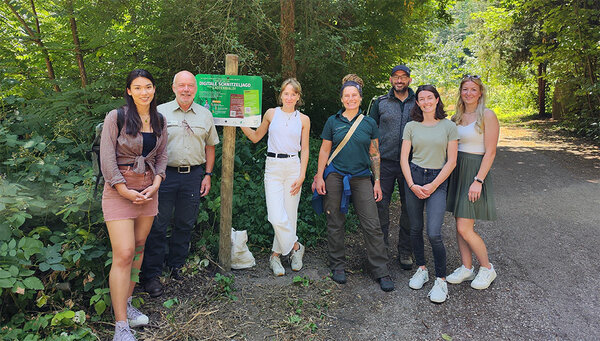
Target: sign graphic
{"x": 233, "y": 100}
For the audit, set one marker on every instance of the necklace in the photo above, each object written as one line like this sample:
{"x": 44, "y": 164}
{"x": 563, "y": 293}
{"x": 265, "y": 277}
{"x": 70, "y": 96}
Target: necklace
{"x": 290, "y": 117}
{"x": 146, "y": 119}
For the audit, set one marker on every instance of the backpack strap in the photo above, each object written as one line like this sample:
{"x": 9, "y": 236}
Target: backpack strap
{"x": 120, "y": 121}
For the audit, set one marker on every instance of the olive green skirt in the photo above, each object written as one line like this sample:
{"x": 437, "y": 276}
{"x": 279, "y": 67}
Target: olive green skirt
{"x": 467, "y": 166}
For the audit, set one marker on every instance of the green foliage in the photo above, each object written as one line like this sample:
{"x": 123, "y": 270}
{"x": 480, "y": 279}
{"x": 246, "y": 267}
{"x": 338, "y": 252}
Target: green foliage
{"x": 225, "y": 285}
{"x": 170, "y": 303}
{"x": 65, "y": 325}
{"x": 304, "y": 281}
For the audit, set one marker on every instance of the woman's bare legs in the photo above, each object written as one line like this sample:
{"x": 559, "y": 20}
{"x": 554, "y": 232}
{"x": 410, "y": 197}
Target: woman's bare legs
{"x": 470, "y": 242}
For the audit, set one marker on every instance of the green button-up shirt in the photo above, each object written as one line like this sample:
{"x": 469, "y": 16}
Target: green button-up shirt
{"x": 189, "y": 133}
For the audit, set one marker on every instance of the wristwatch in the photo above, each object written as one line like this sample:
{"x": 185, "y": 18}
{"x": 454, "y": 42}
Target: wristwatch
{"x": 478, "y": 179}
{"x": 208, "y": 173}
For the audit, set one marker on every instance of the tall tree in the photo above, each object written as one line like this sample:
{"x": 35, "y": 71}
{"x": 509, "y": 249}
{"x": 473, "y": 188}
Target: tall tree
{"x": 76, "y": 44}
{"x": 36, "y": 37}
{"x": 288, "y": 45}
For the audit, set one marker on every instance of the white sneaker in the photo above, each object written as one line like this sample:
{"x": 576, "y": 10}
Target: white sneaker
{"x": 296, "y": 258}
{"x": 135, "y": 317}
{"x": 276, "y": 266}
{"x": 439, "y": 292}
{"x": 122, "y": 332}
{"x": 418, "y": 279}
{"x": 484, "y": 277}
{"x": 461, "y": 274}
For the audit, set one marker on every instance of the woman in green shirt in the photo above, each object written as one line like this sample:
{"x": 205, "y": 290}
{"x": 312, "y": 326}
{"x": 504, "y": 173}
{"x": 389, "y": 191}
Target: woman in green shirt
{"x": 434, "y": 142}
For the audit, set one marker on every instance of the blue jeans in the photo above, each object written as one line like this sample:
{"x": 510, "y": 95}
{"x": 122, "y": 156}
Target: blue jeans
{"x": 436, "y": 208}
{"x": 178, "y": 200}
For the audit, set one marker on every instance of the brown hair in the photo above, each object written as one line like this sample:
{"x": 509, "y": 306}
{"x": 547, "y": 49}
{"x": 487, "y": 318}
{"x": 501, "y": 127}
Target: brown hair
{"x": 297, "y": 88}
{"x": 417, "y": 114}
{"x": 352, "y": 77}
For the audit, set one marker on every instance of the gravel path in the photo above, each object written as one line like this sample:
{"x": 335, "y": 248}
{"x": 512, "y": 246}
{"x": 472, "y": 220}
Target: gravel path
{"x": 544, "y": 246}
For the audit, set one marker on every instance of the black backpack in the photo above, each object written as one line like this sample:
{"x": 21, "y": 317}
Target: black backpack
{"x": 95, "y": 152}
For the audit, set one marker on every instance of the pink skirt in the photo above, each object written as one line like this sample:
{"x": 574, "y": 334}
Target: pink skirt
{"x": 116, "y": 207}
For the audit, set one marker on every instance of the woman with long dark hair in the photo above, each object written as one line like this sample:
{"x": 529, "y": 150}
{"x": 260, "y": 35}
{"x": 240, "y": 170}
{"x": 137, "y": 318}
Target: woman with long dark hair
{"x": 133, "y": 158}
{"x": 470, "y": 190}
{"x": 433, "y": 139}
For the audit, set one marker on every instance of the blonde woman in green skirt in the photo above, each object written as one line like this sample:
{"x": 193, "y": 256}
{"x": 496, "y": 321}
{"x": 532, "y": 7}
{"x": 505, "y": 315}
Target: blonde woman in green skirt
{"x": 470, "y": 189}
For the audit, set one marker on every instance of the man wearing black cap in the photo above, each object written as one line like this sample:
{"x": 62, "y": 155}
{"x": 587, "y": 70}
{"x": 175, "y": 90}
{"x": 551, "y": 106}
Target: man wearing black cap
{"x": 391, "y": 112}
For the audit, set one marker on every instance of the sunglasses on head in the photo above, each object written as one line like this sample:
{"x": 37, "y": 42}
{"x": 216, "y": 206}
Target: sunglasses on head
{"x": 471, "y": 76}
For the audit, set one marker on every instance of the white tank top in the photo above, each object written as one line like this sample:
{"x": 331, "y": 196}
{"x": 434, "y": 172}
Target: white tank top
{"x": 470, "y": 141}
{"x": 285, "y": 132}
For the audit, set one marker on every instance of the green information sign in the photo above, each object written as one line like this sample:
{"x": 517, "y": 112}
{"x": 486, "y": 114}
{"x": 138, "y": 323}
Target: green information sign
{"x": 233, "y": 100}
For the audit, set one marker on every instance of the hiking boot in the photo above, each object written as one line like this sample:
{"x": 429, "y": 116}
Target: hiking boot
{"x": 296, "y": 258}
{"x": 153, "y": 287}
{"x": 339, "y": 276}
{"x": 406, "y": 261}
{"x": 122, "y": 332}
{"x": 134, "y": 316}
{"x": 386, "y": 284}
{"x": 484, "y": 277}
{"x": 418, "y": 279}
{"x": 275, "y": 264}
{"x": 460, "y": 275}
{"x": 439, "y": 292}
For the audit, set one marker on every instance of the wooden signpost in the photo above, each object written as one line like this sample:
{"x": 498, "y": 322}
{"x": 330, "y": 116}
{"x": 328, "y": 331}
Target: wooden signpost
{"x": 231, "y": 68}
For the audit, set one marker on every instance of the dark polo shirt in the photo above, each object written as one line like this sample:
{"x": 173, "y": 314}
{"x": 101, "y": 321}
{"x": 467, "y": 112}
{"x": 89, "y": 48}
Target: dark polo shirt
{"x": 354, "y": 157}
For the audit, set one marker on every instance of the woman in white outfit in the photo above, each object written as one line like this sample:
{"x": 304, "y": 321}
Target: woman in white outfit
{"x": 284, "y": 171}
{"x": 470, "y": 190}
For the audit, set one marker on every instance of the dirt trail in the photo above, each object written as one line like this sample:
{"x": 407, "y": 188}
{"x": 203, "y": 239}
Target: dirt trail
{"x": 544, "y": 246}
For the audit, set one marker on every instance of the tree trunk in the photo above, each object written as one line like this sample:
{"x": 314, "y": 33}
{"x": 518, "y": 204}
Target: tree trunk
{"x": 541, "y": 78}
{"x": 36, "y": 38}
{"x": 77, "y": 44}
{"x": 288, "y": 55}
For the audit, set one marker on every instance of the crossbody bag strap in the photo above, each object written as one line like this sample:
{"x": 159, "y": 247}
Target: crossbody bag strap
{"x": 346, "y": 138}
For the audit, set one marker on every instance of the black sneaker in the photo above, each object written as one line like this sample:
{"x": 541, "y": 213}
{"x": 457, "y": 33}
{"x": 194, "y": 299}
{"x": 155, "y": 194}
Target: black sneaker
{"x": 153, "y": 287}
{"x": 339, "y": 276}
{"x": 176, "y": 274}
{"x": 386, "y": 283}
{"x": 406, "y": 261}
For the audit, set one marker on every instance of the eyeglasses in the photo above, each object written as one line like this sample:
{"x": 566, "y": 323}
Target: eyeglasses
{"x": 403, "y": 77}
{"x": 471, "y": 76}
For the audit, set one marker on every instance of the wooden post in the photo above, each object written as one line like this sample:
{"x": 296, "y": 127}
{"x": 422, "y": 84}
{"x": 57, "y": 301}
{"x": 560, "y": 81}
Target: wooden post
{"x": 231, "y": 68}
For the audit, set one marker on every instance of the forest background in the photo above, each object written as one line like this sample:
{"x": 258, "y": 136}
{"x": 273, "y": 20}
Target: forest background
{"x": 63, "y": 66}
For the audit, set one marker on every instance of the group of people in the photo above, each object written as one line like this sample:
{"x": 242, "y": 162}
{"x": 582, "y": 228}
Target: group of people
{"x": 158, "y": 161}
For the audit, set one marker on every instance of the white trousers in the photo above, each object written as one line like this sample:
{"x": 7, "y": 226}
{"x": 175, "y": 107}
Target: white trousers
{"x": 282, "y": 207}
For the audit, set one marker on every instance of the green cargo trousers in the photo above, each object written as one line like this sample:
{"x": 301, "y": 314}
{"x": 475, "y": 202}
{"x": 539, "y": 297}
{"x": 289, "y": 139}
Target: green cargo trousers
{"x": 366, "y": 209}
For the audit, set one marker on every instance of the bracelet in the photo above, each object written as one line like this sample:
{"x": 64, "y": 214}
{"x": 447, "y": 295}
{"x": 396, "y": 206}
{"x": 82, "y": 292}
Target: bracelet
{"x": 478, "y": 179}
{"x": 409, "y": 187}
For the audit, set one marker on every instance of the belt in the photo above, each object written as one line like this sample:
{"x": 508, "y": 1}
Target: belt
{"x": 183, "y": 169}
{"x": 128, "y": 167}
{"x": 279, "y": 156}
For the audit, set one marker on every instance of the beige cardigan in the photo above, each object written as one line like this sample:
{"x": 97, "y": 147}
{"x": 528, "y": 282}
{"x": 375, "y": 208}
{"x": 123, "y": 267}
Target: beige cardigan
{"x": 127, "y": 149}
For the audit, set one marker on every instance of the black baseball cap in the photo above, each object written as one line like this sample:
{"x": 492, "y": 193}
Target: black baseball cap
{"x": 400, "y": 68}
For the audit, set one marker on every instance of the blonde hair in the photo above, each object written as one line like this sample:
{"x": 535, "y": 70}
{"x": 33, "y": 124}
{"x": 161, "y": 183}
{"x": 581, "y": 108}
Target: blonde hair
{"x": 354, "y": 78}
{"x": 460, "y": 104}
{"x": 297, "y": 89}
